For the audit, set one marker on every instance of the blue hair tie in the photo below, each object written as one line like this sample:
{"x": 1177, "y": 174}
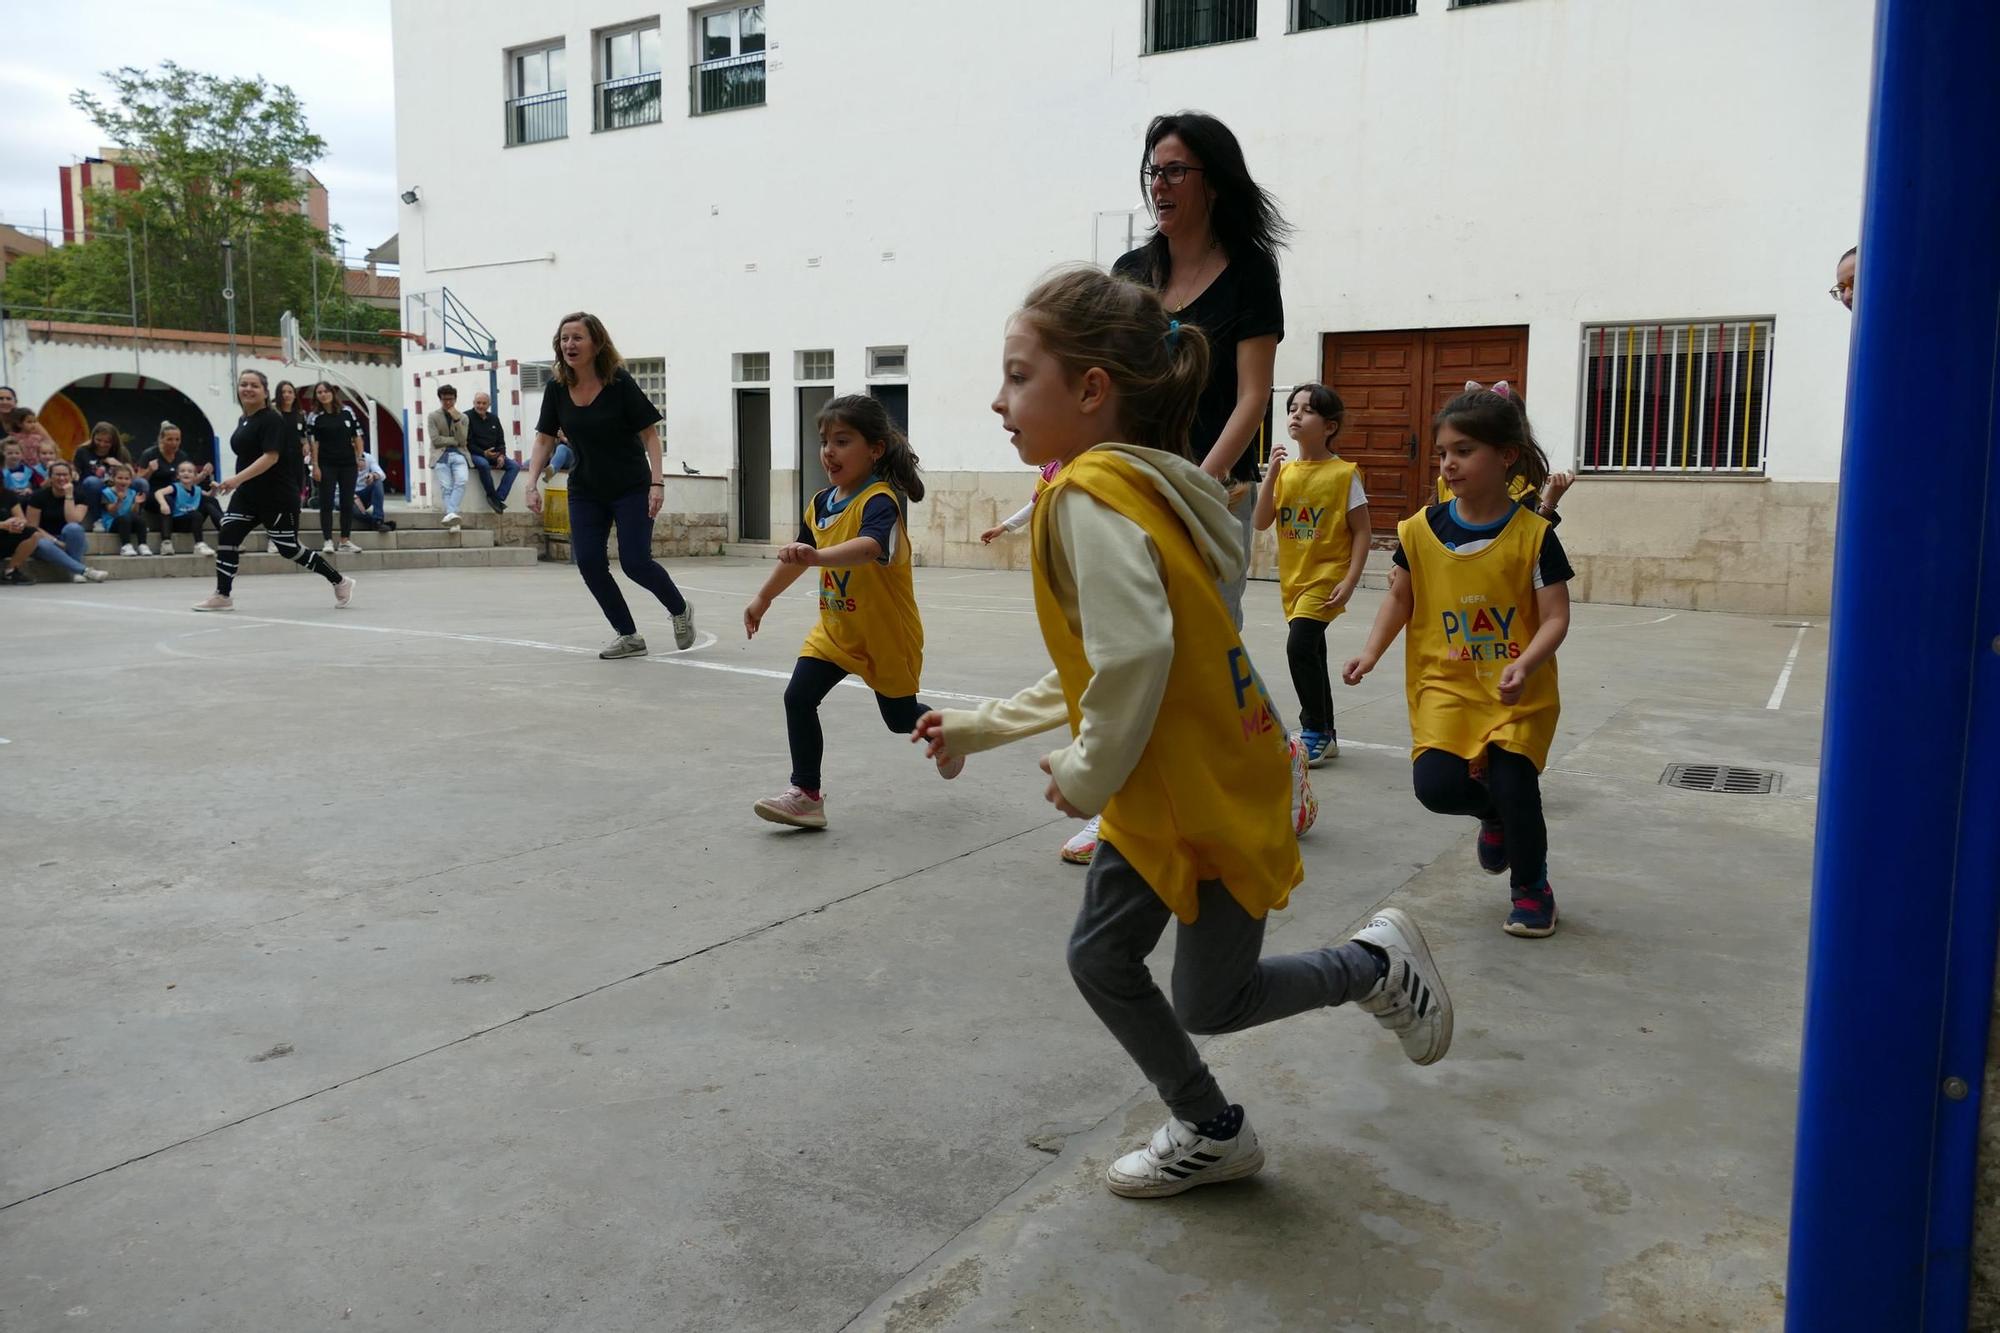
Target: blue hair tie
{"x": 1173, "y": 334}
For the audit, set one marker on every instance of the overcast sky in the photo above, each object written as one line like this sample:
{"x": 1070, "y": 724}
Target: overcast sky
{"x": 334, "y": 56}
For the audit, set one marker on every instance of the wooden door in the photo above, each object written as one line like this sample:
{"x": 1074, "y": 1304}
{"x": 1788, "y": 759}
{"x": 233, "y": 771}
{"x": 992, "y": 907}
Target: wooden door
{"x": 1393, "y": 384}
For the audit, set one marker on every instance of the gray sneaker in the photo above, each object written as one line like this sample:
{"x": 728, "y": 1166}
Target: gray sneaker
{"x": 625, "y": 645}
{"x": 684, "y": 628}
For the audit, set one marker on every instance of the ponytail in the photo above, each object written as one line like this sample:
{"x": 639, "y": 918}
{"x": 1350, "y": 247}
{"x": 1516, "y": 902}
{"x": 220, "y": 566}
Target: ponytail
{"x": 1498, "y": 418}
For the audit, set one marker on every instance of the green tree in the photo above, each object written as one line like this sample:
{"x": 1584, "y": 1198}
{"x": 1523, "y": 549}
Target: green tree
{"x": 218, "y": 158}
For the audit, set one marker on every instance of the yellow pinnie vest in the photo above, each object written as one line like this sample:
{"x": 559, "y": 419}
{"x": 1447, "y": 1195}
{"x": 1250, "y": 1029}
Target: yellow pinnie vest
{"x": 1210, "y": 797}
{"x": 868, "y": 621}
{"x": 1472, "y": 615}
{"x": 1314, "y": 545}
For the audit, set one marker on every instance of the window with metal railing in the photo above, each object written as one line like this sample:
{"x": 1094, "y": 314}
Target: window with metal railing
{"x": 538, "y": 107}
{"x": 1178, "y": 25}
{"x": 728, "y": 73}
{"x": 1311, "y": 15}
{"x": 629, "y": 61}
{"x": 1685, "y": 397}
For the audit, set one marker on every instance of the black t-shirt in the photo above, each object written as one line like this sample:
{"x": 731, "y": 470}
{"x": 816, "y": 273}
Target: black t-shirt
{"x": 89, "y": 463}
{"x": 337, "y": 433}
{"x": 484, "y": 433}
{"x": 1469, "y": 538}
{"x": 1243, "y": 302}
{"x": 266, "y": 431}
{"x": 163, "y": 474}
{"x": 8, "y": 501}
{"x": 48, "y": 509}
{"x": 610, "y": 462}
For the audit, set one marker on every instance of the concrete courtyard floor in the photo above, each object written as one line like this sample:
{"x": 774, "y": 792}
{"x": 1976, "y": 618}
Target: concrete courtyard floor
{"x": 410, "y": 968}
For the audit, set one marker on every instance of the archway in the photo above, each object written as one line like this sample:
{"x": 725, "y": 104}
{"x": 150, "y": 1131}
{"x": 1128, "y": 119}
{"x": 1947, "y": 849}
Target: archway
{"x": 135, "y": 404}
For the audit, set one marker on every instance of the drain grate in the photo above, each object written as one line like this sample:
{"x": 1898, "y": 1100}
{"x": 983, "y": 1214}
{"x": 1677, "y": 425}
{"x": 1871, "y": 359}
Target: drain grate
{"x": 1722, "y": 778}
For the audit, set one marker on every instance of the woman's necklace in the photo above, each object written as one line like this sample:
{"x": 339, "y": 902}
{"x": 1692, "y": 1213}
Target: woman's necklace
{"x": 1197, "y": 284}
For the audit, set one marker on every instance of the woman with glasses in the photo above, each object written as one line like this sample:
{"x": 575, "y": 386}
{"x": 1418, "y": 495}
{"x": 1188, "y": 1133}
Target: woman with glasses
{"x": 1213, "y": 258}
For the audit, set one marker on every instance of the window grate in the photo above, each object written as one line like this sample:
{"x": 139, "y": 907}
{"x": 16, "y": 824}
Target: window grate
{"x": 816, "y": 365}
{"x": 1312, "y": 15}
{"x": 753, "y": 367}
{"x": 1722, "y": 778}
{"x": 650, "y": 374}
{"x": 536, "y": 376}
{"x": 1691, "y": 398}
{"x": 1177, "y": 25}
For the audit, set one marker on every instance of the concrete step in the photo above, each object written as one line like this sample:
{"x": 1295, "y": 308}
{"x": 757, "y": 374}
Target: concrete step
{"x": 103, "y": 544}
{"x": 203, "y": 567}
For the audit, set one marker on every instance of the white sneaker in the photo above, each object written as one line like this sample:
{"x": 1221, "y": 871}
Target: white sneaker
{"x": 203, "y": 548}
{"x": 126, "y": 549}
{"x": 89, "y": 576}
{"x": 1305, "y": 806}
{"x": 684, "y": 628}
{"x": 347, "y": 547}
{"x": 145, "y": 549}
{"x": 792, "y": 806}
{"x": 215, "y": 602}
{"x": 625, "y": 645}
{"x": 1410, "y": 999}
{"x": 326, "y": 547}
{"x": 166, "y": 548}
{"x": 343, "y": 593}
{"x": 270, "y": 548}
{"x": 1178, "y": 1159}
{"x": 450, "y": 520}
{"x": 1083, "y": 843}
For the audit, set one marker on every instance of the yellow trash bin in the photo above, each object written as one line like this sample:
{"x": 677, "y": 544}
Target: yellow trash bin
{"x": 555, "y": 505}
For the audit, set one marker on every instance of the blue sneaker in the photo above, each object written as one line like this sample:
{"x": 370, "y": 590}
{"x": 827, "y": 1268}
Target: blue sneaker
{"x": 1534, "y": 914}
{"x": 1492, "y": 847}
{"x": 1320, "y": 746}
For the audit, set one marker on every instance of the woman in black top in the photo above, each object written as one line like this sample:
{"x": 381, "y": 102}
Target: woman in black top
{"x": 336, "y": 462}
{"x": 286, "y": 399}
{"x": 614, "y": 430}
{"x": 1213, "y": 259}
{"x": 264, "y": 492}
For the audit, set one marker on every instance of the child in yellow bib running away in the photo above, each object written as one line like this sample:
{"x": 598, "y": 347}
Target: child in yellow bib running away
{"x": 1321, "y": 512}
{"x": 1171, "y": 735}
{"x": 856, "y": 534}
{"x": 1483, "y": 585}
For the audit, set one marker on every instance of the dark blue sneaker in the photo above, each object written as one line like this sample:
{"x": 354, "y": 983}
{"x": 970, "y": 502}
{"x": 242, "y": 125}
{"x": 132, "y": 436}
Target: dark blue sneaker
{"x": 1492, "y": 847}
{"x": 1534, "y": 914}
{"x": 1319, "y": 745}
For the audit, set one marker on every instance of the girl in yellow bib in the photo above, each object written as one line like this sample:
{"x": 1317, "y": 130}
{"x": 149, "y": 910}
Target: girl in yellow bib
{"x": 856, "y": 534}
{"x": 1483, "y": 585}
{"x": 1322, "y": 515}
{"x": 1171, "y": 735}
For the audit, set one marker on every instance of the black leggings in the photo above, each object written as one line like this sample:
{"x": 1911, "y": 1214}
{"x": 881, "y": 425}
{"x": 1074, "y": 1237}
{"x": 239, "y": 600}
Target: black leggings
{"x": 208, "y": 511}
{"x": 336, "y": 476}
{"x": 130, "y": 529}
{"x": 1510, "y": 793}
{"x": 282, "y": 526}
{"x": 812, "y": 680}
{"x": 1306, "y": 650}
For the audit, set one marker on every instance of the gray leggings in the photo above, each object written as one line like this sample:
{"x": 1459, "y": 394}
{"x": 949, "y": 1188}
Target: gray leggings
{"x": 1220, "y": 983}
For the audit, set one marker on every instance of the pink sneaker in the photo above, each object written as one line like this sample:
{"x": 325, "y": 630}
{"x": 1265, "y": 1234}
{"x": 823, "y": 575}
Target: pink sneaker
{"x": 343, "y": 593}
{"x": 216, "y": 602}
{"x": 795, "y": 807}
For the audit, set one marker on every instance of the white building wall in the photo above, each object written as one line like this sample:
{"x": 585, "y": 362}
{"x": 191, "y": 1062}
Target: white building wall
{"x": 1539, "y": 162}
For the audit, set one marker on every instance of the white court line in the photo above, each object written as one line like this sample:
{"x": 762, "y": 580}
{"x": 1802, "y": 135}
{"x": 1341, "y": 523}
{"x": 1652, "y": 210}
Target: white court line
{"x": 1785, "y": 676}
{"x": 1633, "y": 624}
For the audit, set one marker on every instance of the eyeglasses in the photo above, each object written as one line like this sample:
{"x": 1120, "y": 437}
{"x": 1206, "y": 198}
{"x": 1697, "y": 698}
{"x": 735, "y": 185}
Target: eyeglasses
{"x": 1841, "y": 291}
{"x": 1173, "y": 173}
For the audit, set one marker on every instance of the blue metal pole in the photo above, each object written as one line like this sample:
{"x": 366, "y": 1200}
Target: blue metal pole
{"x": 1906, "y": 878}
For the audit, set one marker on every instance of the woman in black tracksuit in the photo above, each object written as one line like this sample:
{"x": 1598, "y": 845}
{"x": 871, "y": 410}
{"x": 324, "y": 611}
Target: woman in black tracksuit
{"x": 336, "y": 437}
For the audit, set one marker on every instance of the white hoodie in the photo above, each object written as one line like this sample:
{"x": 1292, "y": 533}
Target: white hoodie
{"x": 1106, "y": 574}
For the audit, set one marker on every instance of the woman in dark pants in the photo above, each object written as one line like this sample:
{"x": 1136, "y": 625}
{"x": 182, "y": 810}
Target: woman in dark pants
{"x": 617, "y": 482}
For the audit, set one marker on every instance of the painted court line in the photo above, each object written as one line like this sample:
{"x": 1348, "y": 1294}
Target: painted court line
{"x": 1785, "y": 676}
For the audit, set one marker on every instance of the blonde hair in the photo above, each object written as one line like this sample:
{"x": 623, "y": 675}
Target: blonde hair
{"x": 606, "y": 362}
{"x": 1087, "y": 319}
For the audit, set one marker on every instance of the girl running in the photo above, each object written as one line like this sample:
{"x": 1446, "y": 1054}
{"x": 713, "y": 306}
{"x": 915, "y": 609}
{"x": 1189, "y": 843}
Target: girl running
{"x": 1322, "y": 514}
{"x": 264, "y": 492}
{"x": 1019, "y": 518}
{"x": 856, "y": 533}
{"x": 1172, "y": 736}
{"x": 1483, "y": 584}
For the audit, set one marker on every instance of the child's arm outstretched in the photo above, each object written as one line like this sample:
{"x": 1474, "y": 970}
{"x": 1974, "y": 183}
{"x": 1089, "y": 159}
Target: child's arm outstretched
{"x": 1552, "y": 603}
{"x": 1267, "y": 493}
{"x": 1012, "y": 523}
{"x": 783, "y": 577}
{"x": 1389, "y": 622}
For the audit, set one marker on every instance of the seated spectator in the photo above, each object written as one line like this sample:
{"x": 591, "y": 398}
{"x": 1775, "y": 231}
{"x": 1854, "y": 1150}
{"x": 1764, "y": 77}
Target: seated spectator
{"x": 9, "y": 400}
{"x": 93, "y": 464}
{"x": 160, "y": 465}
{"x": 563, "y": 459}
{"x": 183, "y": 505}
{"x": 16, "y": 472}
{"x": 122, "y": 512}
{"x": 369, "y": 496}
{"x": 489, "y": 450}
{"x": 18, "y": 536}
{"x": 59, "y": 514}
